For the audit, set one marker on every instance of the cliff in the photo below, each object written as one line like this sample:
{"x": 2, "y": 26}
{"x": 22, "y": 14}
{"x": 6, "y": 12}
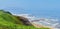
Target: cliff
{"x": 9, "y": 21}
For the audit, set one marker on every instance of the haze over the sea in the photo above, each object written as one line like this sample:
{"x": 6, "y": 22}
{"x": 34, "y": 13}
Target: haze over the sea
{"x": 40, "y": 8}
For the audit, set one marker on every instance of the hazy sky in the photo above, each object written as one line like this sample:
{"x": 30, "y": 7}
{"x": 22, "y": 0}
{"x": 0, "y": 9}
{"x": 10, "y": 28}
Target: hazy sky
{"x": 41, "y": 8}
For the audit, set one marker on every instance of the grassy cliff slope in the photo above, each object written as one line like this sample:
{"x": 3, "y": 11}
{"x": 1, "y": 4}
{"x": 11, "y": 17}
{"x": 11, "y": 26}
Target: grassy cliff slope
{"x": 8, "y": 21}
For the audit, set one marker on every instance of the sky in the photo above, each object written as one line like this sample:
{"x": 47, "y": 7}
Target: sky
{"x": 39, "y": 8}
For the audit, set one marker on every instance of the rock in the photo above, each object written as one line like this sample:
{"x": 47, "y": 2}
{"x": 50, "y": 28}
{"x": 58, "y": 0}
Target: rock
{"x": 24, "y": 20}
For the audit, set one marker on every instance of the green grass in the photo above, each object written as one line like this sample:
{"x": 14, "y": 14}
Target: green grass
{"x": 8, "y": 21}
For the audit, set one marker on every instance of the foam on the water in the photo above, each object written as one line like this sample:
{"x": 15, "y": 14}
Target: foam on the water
{"x": 44, "y": 21}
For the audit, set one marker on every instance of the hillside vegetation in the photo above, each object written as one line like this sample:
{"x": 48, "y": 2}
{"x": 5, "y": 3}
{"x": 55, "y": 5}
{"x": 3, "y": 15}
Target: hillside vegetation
{"x": 8, "y": 21}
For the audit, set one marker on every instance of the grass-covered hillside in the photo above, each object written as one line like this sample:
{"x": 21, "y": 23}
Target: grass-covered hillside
{"x": 8, "y": 21}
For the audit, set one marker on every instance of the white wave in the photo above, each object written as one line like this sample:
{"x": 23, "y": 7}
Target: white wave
{"x": 44, "y": 21}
